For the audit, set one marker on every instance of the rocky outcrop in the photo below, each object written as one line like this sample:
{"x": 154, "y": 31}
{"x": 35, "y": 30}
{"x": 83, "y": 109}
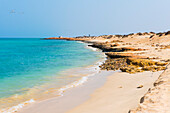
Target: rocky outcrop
{"x": 114, "y": 64}
{"x": 114, "y": 47}
{"x": 145, "y": 62}
{"x": 123, "y": 55}
{"x": 132, "y": 65}
{"x": 140, "y": 65}
{"x": 127, "y": 59}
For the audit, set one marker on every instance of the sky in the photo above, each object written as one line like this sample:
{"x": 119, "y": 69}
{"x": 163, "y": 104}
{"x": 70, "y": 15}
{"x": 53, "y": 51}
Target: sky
{"x": 47, "y": 18}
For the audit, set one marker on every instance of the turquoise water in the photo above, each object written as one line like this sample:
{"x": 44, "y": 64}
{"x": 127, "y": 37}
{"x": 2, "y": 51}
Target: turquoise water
{"x": 26, "y": 63}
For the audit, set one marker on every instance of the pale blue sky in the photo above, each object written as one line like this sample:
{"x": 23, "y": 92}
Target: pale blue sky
{"x": 45, "y": 18}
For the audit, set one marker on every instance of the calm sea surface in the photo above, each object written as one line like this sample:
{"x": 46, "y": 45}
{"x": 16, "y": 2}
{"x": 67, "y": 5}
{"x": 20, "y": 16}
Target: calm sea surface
{"x": 27, "y": 63}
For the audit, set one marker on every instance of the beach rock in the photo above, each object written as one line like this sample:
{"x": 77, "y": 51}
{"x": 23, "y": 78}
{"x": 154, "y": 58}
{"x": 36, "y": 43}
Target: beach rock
{"x": 123, "y": 55}
{"x": 120, "y": 87}
{"x": 132, "y": 65}
{"x": 145, "y": 62}
{"x": 153, "y": 68}
{"x": 115, "y": 41}
{"x": 140, "y": 62}
{"x": 114, "y": 45}
{"x": 131, "y": 69}
{"x": 110, "y": 47}
{"x": 141, "y": 86}
{"x": 113, "y": 64}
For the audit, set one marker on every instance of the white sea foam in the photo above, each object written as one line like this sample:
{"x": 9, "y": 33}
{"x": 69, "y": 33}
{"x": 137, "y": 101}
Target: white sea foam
{"x": 82, "y": 80}
{"x": 79, "y": 42}
{"x": 92, "y": 48}
{"x": 74, "y": 84}
{"x": 17, "y": 107}
{"x": 88, "y": 47}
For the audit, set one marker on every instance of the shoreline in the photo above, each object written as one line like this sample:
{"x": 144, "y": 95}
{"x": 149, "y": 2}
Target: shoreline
{"x": 64, "y": 103}
{"x": 141, "y": 55}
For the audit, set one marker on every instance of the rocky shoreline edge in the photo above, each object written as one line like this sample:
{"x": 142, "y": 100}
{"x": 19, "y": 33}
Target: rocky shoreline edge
{"x": 135, "y": 53}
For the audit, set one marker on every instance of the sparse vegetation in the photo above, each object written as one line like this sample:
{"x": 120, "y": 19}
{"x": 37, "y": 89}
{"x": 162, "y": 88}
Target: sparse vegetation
{"x": 167, "y": 33}
{"x": 139, "y": 34}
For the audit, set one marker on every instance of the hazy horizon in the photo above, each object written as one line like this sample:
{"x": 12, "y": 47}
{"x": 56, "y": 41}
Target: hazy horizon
{"x": 42, "y": 18}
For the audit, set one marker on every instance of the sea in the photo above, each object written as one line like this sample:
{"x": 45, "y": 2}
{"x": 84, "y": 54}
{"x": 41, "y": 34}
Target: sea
{"x": 33, "y": 69}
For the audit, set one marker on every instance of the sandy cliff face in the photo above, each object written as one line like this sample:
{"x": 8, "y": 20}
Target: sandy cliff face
{"x": 157, "y": 99}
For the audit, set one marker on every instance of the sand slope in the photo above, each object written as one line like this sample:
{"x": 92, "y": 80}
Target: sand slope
{"x": 119, "y": 94}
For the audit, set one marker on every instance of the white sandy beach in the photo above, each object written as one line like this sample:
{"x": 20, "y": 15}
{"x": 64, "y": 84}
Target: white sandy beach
{"x": 117, "y": 94}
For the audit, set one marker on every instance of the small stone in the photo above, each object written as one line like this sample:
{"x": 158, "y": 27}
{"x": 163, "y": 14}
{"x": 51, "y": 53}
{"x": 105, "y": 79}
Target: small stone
{"x": 140, "y": 86}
